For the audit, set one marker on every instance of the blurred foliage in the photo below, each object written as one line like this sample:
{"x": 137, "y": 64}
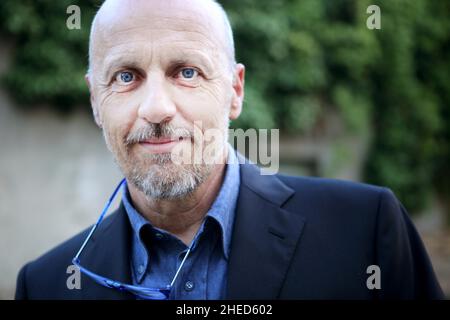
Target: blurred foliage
{"x": 50, "y": 60}
{"x": 303, "y": 58}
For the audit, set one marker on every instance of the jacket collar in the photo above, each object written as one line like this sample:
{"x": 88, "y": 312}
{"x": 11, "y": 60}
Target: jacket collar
{"x": 264, "y": 237}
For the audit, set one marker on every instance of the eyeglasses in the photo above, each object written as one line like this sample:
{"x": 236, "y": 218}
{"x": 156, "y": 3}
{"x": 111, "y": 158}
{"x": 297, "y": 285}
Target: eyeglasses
{"x": 138, "y": 291}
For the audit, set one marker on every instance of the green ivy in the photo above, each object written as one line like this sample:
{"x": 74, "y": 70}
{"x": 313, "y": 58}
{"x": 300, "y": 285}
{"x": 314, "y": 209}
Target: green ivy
{"x": 50, "y": 60}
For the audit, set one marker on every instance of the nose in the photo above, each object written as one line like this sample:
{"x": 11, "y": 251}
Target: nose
{"x": 157, "y": 105}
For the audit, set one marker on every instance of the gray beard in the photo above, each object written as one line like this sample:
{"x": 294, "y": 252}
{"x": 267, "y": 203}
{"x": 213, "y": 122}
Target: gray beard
{"x": 166, "y": 180}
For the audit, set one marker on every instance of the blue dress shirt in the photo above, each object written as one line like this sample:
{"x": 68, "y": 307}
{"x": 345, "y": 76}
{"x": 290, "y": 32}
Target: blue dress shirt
{"x": 157, "y": 254}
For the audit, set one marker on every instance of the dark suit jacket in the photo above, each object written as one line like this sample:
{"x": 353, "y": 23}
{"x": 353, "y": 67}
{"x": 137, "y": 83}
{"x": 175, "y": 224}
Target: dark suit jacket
{"x": 293, "y": 238}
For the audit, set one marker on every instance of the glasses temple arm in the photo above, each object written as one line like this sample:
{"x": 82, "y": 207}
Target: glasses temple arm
{"x": 105, "y": 209}
{"x": 181, "y": 265}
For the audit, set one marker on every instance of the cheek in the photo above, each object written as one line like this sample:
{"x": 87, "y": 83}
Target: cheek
{"x": 208, "y": 104}
{"x": 114, "y": 138}
{"x": 119, "y": 115}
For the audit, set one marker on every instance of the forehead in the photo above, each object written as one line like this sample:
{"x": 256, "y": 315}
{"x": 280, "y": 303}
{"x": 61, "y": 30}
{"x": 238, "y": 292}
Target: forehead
{"x": 161, "y": 30}
{"x": 130, "y": 31}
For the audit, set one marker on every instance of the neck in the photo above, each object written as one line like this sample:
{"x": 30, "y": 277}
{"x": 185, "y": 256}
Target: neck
{"x": 181, "y": 217}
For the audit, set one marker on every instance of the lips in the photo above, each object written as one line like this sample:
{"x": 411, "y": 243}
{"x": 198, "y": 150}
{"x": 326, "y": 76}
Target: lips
{"x": 160, "y": 145}
{"x": 160, "y": 140}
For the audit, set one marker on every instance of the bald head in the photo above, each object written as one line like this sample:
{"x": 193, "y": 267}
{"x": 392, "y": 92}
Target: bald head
{"x": 117, "y": 16}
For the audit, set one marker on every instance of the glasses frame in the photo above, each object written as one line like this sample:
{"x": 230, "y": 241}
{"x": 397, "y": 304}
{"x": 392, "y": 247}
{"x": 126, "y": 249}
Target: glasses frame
{"x": 138, "y": 291}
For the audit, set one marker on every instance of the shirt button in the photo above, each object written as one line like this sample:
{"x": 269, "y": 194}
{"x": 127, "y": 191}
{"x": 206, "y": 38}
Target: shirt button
{"x": 141, "y": 268}
{"x": 189, "y": 285}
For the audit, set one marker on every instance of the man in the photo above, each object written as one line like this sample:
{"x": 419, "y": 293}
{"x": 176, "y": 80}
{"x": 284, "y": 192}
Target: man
{"x": 160, "y": 71}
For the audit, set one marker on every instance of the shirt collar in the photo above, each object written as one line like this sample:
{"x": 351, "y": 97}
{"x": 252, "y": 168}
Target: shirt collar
{"x": 224, "y": 207}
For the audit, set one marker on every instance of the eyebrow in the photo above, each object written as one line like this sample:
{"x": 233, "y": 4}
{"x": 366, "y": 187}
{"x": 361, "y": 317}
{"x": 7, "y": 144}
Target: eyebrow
{"x": 119, "y": 61}
{"x": 184, "y": 57}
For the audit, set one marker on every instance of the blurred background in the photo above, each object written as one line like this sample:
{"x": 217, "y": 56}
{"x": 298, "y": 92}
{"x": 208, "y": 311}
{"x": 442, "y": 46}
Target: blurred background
{"x": 350, "y": 102}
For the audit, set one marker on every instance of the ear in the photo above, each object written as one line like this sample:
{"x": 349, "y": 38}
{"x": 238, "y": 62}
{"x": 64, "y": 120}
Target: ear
{"x": 93, "y": 102}
{"x": 238, "y": 91}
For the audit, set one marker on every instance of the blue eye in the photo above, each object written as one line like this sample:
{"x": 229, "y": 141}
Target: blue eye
{"x": 188, "y": 73}
{"x": 126, "y": 76}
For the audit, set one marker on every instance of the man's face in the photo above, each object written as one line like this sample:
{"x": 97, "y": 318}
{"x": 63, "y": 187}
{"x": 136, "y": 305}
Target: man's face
{"x": 159, "y": 69}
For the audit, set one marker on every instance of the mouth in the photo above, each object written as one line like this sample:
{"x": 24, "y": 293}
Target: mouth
{"x": 161, "y": 145}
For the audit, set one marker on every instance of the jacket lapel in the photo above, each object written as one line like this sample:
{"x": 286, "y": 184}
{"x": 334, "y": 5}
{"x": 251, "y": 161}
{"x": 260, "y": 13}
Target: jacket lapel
{"x": 264, "y": 237}
{"x": 108, "y": 256}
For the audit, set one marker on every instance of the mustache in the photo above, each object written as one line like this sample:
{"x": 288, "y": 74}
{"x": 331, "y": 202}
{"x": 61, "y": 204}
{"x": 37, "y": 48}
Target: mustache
{"x": 157, "y": 130}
